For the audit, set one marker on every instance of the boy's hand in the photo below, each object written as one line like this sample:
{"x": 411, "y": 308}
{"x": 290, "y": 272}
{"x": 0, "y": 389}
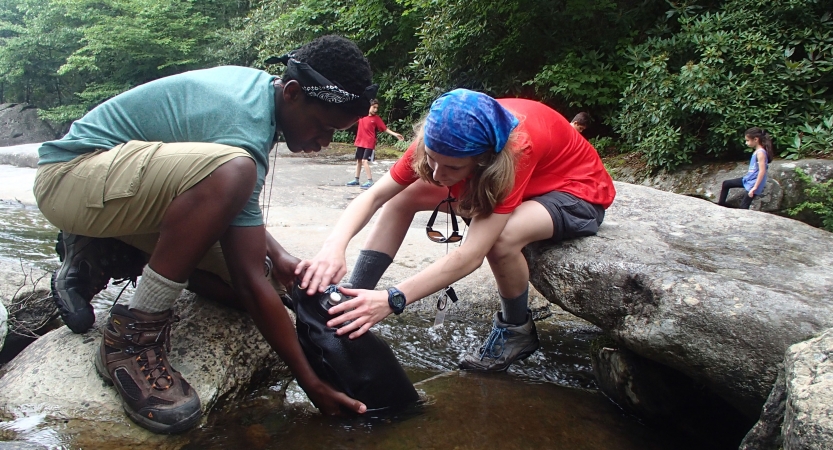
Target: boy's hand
{"x": 399, "y": 136}
{"x": 283, "y": 269}
{"x": 330, "y": 401}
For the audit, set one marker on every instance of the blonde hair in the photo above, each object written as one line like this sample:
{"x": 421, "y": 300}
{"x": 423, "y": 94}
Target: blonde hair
{"x": 492, "y": 180}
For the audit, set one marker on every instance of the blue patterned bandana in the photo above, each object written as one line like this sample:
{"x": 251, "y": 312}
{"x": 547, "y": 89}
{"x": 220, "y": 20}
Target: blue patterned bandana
{"x": 465, "y": 123}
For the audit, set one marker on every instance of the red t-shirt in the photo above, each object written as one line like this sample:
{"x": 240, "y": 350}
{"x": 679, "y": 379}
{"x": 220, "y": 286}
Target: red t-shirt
{"x": 366, "y": 134}
{"x": 554, "y": 157}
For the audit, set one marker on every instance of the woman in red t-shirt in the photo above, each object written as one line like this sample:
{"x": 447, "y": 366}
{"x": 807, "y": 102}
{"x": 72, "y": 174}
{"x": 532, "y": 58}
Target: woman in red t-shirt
{"x": 516, "y": 168}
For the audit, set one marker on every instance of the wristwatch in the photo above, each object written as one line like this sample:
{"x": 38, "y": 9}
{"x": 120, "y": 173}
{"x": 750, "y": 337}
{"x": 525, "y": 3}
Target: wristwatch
{"x": 396, "y": 300}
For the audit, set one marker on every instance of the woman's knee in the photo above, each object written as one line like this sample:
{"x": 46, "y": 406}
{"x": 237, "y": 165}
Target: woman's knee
{"x": 505, "y": 247}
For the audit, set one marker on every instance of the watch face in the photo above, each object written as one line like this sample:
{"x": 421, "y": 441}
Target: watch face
{"x": 396, "y": 299}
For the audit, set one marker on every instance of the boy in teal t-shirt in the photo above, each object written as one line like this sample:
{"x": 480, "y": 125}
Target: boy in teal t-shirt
{"x": 174, "y": 168}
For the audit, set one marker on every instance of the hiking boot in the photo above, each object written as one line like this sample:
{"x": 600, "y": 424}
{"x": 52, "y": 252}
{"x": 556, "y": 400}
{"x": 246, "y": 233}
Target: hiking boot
{"x": 134, "y": 357}
{"x": 367, "y": 184}
{"x": 355, "y": 182}
{"x": 506, "y": 344}
{"x": 87, "y": 266}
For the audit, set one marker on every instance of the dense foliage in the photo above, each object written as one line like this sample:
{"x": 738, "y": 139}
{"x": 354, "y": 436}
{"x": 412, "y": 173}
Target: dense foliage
{"x": 673, "y": 80}
{"x": 819, "y": 199}
{"x": 741, "y": 63}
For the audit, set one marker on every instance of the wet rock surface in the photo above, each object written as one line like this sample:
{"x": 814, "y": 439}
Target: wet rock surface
{"x": 717, "y": 294}
{"x": 218, "y": 350}
{"x": 27, "y": 310}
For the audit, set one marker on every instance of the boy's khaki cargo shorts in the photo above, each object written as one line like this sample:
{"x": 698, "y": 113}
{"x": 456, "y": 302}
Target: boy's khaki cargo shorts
{"x": 124, "y": 192}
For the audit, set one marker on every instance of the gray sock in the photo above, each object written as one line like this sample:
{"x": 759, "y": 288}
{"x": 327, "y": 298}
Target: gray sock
{"x": 155, "y": 293}
{"x": 369, "y": 268}
{"x": 514, "y": 310}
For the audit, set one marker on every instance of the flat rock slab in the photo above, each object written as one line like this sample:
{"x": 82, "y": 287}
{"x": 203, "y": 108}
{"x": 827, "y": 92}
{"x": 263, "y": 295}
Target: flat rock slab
{"x": 718, "y": 294}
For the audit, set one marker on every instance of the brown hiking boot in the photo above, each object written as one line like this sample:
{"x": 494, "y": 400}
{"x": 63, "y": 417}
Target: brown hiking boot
{"x": 133, "y": 357}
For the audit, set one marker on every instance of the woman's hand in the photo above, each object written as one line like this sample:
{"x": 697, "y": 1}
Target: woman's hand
{"x": 365, "y": 310}
{"x": 330, "y": 401}
{"x": 326, "y": 268}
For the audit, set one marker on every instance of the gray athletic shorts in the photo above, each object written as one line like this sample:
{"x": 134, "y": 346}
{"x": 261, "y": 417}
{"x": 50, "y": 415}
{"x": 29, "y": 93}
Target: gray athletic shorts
{"x": 572, "y": 217}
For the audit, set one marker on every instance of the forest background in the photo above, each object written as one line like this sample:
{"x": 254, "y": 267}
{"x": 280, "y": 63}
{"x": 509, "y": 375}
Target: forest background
{"x": 672, "y": 81}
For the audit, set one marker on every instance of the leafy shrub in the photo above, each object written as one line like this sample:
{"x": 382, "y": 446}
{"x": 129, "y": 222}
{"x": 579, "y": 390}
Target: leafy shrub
{"x": 819, "y": 199}
{"x": 344, "y": 136}
{"x": 605, "y": 145}
{"x": 812, "y": 140}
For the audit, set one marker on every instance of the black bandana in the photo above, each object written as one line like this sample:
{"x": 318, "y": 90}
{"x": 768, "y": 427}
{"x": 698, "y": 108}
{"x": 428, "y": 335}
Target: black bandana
{"x": 315, "y": 85}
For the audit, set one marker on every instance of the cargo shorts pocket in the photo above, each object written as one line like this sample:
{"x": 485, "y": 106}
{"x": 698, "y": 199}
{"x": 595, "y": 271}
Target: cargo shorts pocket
{"x": 119, "y": 172}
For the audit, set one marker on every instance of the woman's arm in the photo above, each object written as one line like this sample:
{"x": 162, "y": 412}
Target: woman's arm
{"x": 761, "y": 156}
{"x": 370, "y": 307}
{"x": 329, "y": 264}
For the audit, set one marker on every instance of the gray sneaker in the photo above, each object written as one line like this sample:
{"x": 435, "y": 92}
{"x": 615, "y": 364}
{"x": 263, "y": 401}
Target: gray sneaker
{"x": 506, "y": 344}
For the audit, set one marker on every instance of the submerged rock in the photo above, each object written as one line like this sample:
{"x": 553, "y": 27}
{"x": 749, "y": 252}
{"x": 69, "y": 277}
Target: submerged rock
{"x": 465, "y": 410}
{"x": 665, "y": 398}
{"x": 717, "y": 294}
{"x": 219, "y": 351}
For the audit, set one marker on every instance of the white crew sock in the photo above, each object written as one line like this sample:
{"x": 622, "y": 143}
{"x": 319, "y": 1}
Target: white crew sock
{"x": 155, "y": 293}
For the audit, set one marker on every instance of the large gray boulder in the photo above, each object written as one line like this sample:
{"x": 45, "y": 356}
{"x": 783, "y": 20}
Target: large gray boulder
{"x": 783, "y": 188}
{"x": 218, "y": 350}
{"x": 20, "y": 124}
{"x": 808, "y": 419}
{"x": 715, "y": 293}
{"x": 798, "y": 414}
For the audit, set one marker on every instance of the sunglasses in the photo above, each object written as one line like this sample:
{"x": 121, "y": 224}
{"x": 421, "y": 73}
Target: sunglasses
{"x": 437, "y": 236}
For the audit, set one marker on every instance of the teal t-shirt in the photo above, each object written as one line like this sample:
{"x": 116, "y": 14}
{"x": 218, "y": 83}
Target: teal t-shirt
{"x": 224, "y": 105}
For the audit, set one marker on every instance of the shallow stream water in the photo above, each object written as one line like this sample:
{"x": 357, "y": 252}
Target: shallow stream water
{"x": 548, "y": 401}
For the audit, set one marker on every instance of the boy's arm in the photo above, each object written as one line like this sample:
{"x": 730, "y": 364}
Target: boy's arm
{"x": 394, "y": 134}
{"x": 284, "y": 263}
{"x": 244, "y": 249}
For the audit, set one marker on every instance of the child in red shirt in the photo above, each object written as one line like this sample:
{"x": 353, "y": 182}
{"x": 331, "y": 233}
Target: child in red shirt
{"x": 366, "y": 142}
